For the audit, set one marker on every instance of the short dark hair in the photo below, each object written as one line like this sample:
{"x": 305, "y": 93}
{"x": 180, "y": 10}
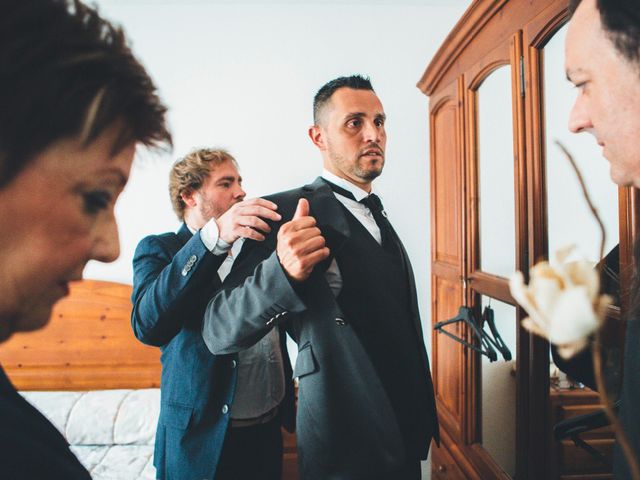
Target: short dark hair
{"x": 356, "y": 82}
{"x": 66, "y": 72}
{"x": 621, "y": 20}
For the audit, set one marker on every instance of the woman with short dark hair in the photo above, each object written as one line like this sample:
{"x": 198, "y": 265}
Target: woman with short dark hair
{"x": 74, "y": 104}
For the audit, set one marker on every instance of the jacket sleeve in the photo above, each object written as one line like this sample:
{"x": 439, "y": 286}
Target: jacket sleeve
{"x": 254, "y": 299}
{"x": 579, "y": 367}
{"x": 169, "y": 286}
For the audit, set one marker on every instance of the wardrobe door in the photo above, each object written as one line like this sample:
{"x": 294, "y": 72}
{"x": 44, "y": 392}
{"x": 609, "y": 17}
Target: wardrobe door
{"x": 495, "y": 238}
{"x": 560, "y": 217}
{"x": 447, "y": 252}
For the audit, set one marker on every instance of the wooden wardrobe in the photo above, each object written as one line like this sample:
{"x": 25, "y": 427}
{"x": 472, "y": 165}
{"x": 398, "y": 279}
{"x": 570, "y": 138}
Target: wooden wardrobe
{"x": 499, "y": 203}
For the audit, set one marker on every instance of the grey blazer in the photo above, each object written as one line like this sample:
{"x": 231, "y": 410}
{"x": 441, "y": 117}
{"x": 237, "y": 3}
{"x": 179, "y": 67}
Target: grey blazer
{"x": 346, "y": 428}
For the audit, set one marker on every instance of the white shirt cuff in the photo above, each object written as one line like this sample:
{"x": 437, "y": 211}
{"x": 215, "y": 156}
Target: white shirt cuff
{"x": 211, "y": 238}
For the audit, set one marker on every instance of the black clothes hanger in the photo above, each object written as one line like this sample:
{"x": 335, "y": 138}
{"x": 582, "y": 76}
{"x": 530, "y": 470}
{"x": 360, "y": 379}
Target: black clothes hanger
{"x": 494, "y": 338}
{"x": 465, "y": 315}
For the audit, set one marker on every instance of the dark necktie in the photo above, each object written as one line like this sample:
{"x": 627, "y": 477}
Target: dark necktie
{"x": 373, "y": 203}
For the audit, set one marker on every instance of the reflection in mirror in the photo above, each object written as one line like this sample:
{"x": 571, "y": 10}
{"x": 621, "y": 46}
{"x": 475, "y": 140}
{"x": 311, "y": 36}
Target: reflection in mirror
{"x": 496, "y": 174}
{"x": 569, "y": 218}
{"x": 498, "y": 416}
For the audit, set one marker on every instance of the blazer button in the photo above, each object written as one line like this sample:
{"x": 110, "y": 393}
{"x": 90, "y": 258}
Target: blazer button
{"x": 340, "y": 322}
{"x": 225, "y": 409}
{"x": 192, "y": 259}
{"x": 234, "y": 364}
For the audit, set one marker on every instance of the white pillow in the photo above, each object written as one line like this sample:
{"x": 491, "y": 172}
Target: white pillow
{"x": 101, "y": 417}
{"x": 137, "y": 418}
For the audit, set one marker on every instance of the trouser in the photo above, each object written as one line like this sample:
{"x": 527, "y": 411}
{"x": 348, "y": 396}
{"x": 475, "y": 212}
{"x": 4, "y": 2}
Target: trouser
{"x": 252, "y": 453}
{"x": 410, "y": 471}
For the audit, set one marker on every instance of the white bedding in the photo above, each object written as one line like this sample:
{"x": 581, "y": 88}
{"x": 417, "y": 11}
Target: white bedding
{"x": 111, "y": 431}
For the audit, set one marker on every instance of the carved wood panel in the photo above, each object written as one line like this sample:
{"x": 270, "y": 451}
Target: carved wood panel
{"x": 447, "y": 252}
{"x": 446, "y": 178}
{"x": 448, "y": 358}
{"x": 466, "y": 56}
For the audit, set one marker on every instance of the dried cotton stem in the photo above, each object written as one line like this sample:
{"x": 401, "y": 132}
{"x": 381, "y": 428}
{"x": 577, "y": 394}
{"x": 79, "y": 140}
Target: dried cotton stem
{"x": 596, "y": 347}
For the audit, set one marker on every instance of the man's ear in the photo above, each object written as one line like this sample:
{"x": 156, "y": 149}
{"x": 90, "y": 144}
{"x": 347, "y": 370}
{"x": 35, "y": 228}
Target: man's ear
{"x": 317, "y": 137}
{"x": 188, "y": 198}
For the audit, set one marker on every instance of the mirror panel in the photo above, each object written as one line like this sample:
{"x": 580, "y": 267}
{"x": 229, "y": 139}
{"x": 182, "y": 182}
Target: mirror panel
{"x": 569, "y": 218}
{"x": 496, "y": 174}
{"x": 498, "y": 393}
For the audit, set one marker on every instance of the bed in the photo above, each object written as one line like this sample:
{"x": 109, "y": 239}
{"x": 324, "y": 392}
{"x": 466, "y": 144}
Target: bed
{"x": 90, "y": 376}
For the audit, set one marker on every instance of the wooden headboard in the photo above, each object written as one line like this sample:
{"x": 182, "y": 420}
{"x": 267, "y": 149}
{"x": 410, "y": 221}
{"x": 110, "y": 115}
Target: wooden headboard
{"x": 87, "y": 345}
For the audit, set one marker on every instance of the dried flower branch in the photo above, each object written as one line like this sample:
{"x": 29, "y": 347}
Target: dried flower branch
{"x": 565, "y": 306}
{"x": 621, "y": 436}
{"x": 587, "y": 197}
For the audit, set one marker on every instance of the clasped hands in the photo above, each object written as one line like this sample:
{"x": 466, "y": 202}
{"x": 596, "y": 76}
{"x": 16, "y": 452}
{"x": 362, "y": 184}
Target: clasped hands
{"x": 300, "y": 244}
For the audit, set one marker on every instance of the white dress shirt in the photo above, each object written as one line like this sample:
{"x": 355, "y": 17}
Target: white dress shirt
{"x": 362, "y": 214}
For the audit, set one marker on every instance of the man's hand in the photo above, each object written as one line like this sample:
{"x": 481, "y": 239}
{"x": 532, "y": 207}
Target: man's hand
{"x": 245, "y": 220}
{"x": 300, "y": 244}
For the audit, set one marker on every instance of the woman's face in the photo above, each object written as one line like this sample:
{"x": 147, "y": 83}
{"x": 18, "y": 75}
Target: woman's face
{"x": 55, "y": 216}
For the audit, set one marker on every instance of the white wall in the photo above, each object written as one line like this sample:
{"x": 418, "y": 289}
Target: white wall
{"x": 243, "y": 76}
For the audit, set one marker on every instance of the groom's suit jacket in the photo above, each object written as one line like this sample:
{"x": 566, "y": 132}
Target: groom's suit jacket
{"x": 346, "y": 427}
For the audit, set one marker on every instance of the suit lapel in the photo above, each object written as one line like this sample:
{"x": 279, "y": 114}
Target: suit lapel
{"x": 329, "y": 214}
{"x": 324, "y": 207}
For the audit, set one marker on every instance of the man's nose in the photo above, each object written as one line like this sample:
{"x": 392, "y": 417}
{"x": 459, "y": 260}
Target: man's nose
{"x": 579, "y": 118}
{"x": 372, "y": 132}
{"x": 240, "y": 193}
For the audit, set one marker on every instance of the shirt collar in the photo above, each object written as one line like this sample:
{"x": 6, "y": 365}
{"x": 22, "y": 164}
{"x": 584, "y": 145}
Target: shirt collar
{"x": 357, "y": 192}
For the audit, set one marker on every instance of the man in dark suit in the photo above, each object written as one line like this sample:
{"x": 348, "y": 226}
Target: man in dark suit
{"x": 603, "y": 62}
{"x": 339, "y": 277}
{"x": 220, "y": 415}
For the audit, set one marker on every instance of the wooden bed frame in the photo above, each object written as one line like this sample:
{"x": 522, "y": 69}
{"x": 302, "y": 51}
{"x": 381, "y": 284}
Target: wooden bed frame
{"x": 87, "y": 345}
